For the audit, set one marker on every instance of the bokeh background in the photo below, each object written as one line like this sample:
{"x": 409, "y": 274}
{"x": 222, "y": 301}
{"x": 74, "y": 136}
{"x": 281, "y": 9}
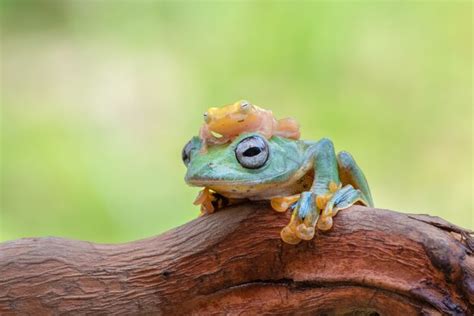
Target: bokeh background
{"x": 98, "y": 98}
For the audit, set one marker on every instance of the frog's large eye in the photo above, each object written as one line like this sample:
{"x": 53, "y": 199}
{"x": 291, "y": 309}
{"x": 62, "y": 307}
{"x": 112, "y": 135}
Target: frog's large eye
{"x": 186, "y": 153}
{"x": 245, "y": 106}
{"x": 207, "y": 119}
{"x": 252, "y": 152}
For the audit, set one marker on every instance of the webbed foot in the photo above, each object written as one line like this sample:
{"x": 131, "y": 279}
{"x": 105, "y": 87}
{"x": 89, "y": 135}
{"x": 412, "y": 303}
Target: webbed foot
{"x": 303, "y": 220}
{"x": 311, "y": 210}
{"x": 208, "y": 138}
{"x": 341, "y": 199}
{"x": 205, "y": 199}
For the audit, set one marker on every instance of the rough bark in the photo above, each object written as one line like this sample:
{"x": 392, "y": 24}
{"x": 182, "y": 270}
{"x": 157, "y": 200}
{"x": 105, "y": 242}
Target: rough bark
{"x": 233, "y": 261}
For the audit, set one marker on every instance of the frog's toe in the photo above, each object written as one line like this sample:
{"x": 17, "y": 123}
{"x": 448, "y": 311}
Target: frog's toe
{"x": 325, "y": 223}
{"x": 281, "y": 204}
{"x": 305, "y": 232}
{"x": 288, "y": 235}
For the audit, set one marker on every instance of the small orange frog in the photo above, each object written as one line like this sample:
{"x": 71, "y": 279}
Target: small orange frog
{"x": 232, "y": 120}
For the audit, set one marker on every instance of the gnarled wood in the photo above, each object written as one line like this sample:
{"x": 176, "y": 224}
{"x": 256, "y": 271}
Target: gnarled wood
{"x": 233, "y": 261}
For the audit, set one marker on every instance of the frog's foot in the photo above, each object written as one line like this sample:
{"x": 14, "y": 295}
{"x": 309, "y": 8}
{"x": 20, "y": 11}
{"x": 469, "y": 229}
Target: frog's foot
{"x": 210, "y": 201}
{"x": 208, "y": 138}
{"x": 205, "y": 199}
{"x": 281, "y": 204}
{"x": 303, "y": 220}
{"x": 204, "y": 135}
{"x": 214, "y": 140}
{"x": 341, "y": 199}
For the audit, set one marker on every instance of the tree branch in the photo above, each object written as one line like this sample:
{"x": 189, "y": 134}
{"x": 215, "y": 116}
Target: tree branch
{"x": 232, "y": 261}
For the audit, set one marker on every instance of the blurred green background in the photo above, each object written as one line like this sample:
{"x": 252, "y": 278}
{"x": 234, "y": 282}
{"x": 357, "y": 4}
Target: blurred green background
{"x": 98, "y": 98}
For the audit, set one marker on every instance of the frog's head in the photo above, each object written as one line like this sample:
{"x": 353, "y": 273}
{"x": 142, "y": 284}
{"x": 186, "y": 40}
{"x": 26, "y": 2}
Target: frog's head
{"x": 222, "y": 120}
{"x": 248, "y": 162}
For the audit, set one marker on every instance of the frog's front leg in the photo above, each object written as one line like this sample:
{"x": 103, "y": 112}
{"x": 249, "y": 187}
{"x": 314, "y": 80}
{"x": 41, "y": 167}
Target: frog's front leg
{"x": 356, "y": 190}
{"x": 326, "y": 182}
{"x": 326, "y": 195}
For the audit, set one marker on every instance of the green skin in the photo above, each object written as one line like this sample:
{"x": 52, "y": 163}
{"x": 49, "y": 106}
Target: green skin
{"x": 292, "y": 167}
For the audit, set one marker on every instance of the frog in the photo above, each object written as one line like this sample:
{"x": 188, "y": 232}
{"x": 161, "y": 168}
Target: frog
{"x": 231, "y": 120}
{"x": 304, "y": 177}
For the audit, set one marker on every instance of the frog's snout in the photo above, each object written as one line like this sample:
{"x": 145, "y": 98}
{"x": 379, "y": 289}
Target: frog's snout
{"x": 199, "y": 174}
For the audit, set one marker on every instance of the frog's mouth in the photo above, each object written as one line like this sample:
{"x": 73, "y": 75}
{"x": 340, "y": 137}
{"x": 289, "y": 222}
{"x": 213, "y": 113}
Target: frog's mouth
{"x": 277, "y": 178}
{"x": 227, "y": 183}
{"x": 261, "y": 189}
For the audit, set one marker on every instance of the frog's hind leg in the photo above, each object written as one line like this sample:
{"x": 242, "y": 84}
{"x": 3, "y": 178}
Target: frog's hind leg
{"x": 350, "y": 173}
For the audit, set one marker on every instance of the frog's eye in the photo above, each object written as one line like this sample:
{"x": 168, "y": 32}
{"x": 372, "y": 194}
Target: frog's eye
{"x": 245, "y": 106}
{"x": 186, "y": 153}
{"x": 207, "y": 119}
{"x": 252, "y": 152}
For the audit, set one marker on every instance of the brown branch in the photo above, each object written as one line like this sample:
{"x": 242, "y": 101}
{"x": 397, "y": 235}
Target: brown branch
{"x": 233, "y": 261}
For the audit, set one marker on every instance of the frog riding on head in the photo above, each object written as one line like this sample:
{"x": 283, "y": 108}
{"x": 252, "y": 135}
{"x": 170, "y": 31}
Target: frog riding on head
{"x": 234, "y": 119}
{"x": 306, "y": 177}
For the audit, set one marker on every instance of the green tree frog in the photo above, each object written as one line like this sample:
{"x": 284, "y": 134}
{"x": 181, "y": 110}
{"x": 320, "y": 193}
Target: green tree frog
{"x": 306, "y": 177}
